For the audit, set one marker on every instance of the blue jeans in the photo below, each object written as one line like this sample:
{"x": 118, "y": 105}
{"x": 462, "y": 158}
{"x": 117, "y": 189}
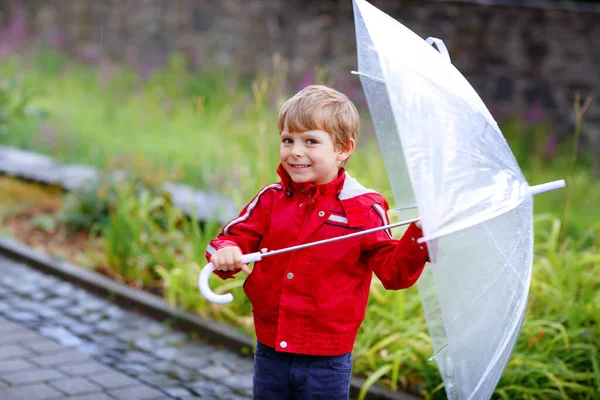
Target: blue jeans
{"x": 289, "y": 376}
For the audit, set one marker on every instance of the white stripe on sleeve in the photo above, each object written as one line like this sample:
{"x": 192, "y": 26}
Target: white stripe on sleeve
{"x": 210, "y": 249}
{"x": 338, "y": 218}
{"x": 251, "y": 207}
{"x": 384, "y": 218}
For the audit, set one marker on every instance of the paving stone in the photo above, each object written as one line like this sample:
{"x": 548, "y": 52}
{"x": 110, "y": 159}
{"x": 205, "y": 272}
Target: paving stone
{"x": 59, "y": 302}
{"x": 13, "y": 350}
{"x": 146, "y": 344}
{"x": 4, "y": 307}
{"x": 30, "y": 392}
{"x": 74, "y": 386}
{"x": 25, "y": 289}
{"x": 63, "y": 289}
{"x": 133, "y": 369}
{"x": 239, "y": 382}
{"x": 64, "y": 357}
{"x": 178, "y": 392}
{"x": 175, "y": 339}
{"x": 107, "y": 360}
{"x": 21, "y": 316}
{"x": 15, "y": 365}
{"x": 76, "y": 311}
{"x": 47, "y": 312}
{"x": 136, "y": 393}
{"x": 215, "y": 372}
{"x": 92, "y": 349}
{"x": 62, "y": 336}
{"x": 194, "y": 362}
{"x": 114, "y": 312}
{"x": 136, "y": 356}
{"x": 41, "y": 345}
{"x": 131, "y": 334}
{"x": 94, "y": 396}
{"x": 32, "y": 376}
{"x": 113, "y": 379}
{"x": 108, "y": 326}
{"x": 162, "y": 366}
{"x": 159, "y": 380}
{"x": 10, "y": 327}
{"x": 166, "y": 353}
{"x": 92, "y": 318}
{"x": 80, "y": 329}
{"x": 83, "y": 369}
{"x": 19, "y": 336}
{"x": 208, "y": 390}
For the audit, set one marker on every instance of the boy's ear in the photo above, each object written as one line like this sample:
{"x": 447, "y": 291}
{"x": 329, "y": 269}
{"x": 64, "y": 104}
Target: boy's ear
{"x": 346, "y": 151}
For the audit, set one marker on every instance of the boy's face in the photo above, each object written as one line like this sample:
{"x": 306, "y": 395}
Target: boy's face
{"x": 311, "y": 157}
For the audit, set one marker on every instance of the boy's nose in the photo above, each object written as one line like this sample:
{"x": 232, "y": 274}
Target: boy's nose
{"x": 297, "y": 151}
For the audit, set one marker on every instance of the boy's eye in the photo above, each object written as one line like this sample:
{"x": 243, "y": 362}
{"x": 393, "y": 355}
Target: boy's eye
{"x": 287, "y": 141}
{"x": 311, "y": 141}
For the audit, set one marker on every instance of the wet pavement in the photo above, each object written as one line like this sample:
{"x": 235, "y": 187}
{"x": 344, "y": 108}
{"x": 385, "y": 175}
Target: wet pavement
{"x": 58, "y": 341}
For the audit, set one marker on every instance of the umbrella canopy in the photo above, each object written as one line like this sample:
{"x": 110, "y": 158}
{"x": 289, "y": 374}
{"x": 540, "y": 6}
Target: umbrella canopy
{"x": 446, "y": 156}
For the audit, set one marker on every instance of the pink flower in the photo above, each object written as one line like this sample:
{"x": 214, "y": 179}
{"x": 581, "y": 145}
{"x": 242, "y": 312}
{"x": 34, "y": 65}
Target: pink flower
{"x": 307, "y": 79}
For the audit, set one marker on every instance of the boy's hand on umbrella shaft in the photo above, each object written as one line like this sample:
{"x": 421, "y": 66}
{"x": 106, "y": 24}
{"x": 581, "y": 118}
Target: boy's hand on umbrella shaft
{"x": 229, "y": 259}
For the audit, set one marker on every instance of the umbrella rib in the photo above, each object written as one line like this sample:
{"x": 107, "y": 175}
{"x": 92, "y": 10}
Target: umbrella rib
{"x": 368, "y": 76}
{"x": 437, "y": 353}
{"x": 495, "y": 243}
{"x": 406, "y": 207}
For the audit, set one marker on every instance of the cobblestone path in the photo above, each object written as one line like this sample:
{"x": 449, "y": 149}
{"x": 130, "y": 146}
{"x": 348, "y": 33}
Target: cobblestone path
{"x": 61, "y": 342}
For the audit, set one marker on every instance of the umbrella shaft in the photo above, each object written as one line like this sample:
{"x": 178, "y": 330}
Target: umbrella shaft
{"x": 351, "y": 235}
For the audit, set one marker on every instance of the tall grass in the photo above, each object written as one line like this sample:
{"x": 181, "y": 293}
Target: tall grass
{"x": 218, "y": 132}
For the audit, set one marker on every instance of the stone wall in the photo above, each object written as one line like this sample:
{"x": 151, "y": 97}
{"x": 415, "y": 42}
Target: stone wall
{"x": 524, "y": 57}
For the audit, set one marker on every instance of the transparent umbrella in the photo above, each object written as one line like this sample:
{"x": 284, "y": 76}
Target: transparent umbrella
{"x": 447, "y": 159}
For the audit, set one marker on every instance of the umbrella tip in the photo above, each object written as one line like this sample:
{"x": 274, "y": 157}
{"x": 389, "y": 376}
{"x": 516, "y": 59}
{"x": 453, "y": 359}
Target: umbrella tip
{"x": 439, "y": 45}
{"x": 547, "y": 187}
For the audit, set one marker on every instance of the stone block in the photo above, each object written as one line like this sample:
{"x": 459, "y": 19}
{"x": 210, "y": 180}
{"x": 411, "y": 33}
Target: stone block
{"x": 12, "y": 351}
{"x": 113, "y": 380}
{"x": 31, "y": 392}
{"x": 61, "y": 358}
{"x": 136, "y": 393}
{"x": 32, "y": 376}
{"x": 75, "y": 386}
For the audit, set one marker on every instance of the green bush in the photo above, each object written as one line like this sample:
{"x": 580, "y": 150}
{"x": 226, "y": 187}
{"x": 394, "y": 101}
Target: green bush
{"x": 88, "y": 206}
{"x": 15, "y": 104}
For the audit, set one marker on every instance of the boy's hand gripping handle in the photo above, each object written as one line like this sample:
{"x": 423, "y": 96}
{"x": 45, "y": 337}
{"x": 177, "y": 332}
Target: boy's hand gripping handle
{"x": 205, "y": 274}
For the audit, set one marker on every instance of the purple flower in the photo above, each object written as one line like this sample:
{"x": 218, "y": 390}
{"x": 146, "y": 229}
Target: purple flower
{"x": 146, "y": 70}
{"x": 48, "y": 135}
{"x": 535, "y": 113}
{"x": 57, "y": 40}
{"x": 307, "y": 79}
{"x": 551, "y": 146}
{"x": 90, "y": 54}
{"x": 16, "y": 29}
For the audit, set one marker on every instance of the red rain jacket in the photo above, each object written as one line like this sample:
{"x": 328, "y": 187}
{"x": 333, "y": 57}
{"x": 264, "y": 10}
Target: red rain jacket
{"x": 312, "y": 301}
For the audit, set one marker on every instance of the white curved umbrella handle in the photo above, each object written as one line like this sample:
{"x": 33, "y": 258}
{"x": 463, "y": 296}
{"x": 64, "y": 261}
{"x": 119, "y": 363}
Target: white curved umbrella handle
{"x": 205, "y": 274}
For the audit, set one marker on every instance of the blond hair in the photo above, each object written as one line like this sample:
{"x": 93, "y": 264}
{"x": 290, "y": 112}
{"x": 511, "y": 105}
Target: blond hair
{"x": 320, "y": 107}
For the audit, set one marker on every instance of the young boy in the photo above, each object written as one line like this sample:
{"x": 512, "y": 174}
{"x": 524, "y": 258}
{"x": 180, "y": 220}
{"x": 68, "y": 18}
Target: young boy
{"x": 308, "y": 304}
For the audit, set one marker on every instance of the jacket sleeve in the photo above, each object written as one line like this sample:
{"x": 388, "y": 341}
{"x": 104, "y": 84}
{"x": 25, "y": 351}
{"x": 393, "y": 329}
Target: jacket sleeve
{"x": 397, "y": 263}
{"x": 246, "y": 230}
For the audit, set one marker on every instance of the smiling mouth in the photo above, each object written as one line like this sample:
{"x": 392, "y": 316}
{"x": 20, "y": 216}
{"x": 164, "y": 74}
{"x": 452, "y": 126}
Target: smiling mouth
{"x": 299, "y": 166}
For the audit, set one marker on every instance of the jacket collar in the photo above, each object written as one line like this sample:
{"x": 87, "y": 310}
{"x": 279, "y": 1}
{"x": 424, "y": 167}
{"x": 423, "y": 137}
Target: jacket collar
{"x": 332, "y": 188}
